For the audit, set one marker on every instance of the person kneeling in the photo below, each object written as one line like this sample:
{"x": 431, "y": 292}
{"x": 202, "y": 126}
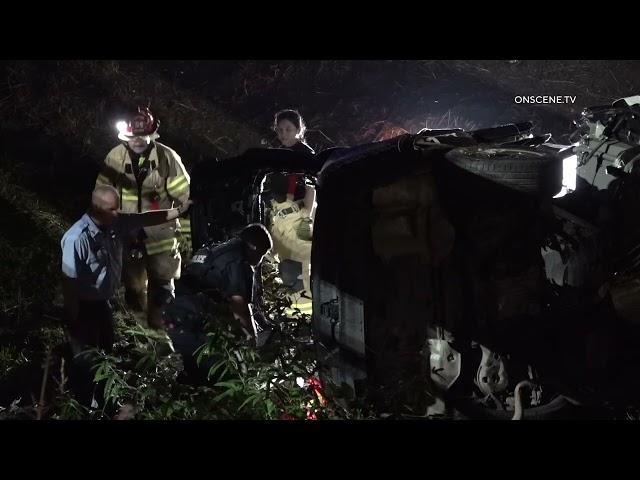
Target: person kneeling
{"x": 216, "y": 273}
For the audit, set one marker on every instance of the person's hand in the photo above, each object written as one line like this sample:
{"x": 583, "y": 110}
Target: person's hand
{"x": 182, "y": 209}
{"x": 304, "y": 229}
{"x": 126, "y": 412}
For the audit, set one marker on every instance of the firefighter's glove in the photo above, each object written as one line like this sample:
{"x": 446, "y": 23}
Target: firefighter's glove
{"x": 304, "y": 229}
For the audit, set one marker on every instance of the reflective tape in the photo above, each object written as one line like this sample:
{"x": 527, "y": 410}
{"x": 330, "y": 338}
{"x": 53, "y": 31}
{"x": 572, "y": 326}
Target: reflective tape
{"x": 177, "y": 185}
{"x": 160, "y": 246}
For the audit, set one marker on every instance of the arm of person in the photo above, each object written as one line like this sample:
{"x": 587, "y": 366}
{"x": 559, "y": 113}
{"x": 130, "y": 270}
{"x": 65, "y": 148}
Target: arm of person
{"x": 310, "y": 201}
{"x": 178, "y": 186}
{"x": 241, "y": 312}
{"x": 157, "y": 217}
{"x": 154, "y": 217}
{"x": 292, "y": 182}
{"x": 70, "y": 296}
{"x": 74, "y": 252}
{"x": 108, "y": 175}
{"x": 70, "y": 288}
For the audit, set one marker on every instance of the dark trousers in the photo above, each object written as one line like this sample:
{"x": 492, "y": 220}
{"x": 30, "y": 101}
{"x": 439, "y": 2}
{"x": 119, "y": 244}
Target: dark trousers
{"x": 185, "y": 326}
{"x": 94, "y": 329}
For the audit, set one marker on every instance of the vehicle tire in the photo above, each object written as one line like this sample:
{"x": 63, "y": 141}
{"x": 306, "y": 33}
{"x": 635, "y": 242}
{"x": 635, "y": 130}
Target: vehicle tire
{"x": 525, "y": 169}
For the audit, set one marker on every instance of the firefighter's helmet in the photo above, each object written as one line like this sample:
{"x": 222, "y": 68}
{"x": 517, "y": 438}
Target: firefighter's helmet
{"x": 141, "y": 123}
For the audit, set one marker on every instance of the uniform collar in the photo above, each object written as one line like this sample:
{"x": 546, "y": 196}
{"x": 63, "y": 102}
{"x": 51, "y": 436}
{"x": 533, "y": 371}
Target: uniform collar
{"x": 93, "y": 229}
{"x": 150, "y": 154}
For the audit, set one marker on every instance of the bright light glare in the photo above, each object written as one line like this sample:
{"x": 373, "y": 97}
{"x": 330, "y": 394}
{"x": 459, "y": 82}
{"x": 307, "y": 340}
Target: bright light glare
{"x": 121, "y": 126}
{"x": 569, "y": 167}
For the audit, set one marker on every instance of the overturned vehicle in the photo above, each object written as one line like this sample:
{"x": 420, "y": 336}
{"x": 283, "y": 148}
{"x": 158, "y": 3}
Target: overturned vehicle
{"x": 449, "y": 277}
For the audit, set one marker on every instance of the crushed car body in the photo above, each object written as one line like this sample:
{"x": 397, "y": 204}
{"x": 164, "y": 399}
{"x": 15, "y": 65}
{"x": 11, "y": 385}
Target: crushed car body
{"x": 452, "y": 271}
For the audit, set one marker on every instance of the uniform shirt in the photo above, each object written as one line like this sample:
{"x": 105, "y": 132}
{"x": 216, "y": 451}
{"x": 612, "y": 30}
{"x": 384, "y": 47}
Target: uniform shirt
{"x": 93, "y": 255}
{"x": 223, "y": 268}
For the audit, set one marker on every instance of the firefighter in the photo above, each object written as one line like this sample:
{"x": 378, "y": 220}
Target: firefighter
{"x": 148, "y": 176}
{"x": 287, "y": 219}
{"x": 290, "y": 128}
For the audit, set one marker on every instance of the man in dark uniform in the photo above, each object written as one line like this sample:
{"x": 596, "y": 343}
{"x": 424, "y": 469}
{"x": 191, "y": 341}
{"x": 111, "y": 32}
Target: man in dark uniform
{"x": 222, "y": 273}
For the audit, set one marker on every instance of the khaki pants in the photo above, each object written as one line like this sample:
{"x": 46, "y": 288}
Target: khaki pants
{"x": 287, "y": 244}
{"x": 149, "y": 282}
